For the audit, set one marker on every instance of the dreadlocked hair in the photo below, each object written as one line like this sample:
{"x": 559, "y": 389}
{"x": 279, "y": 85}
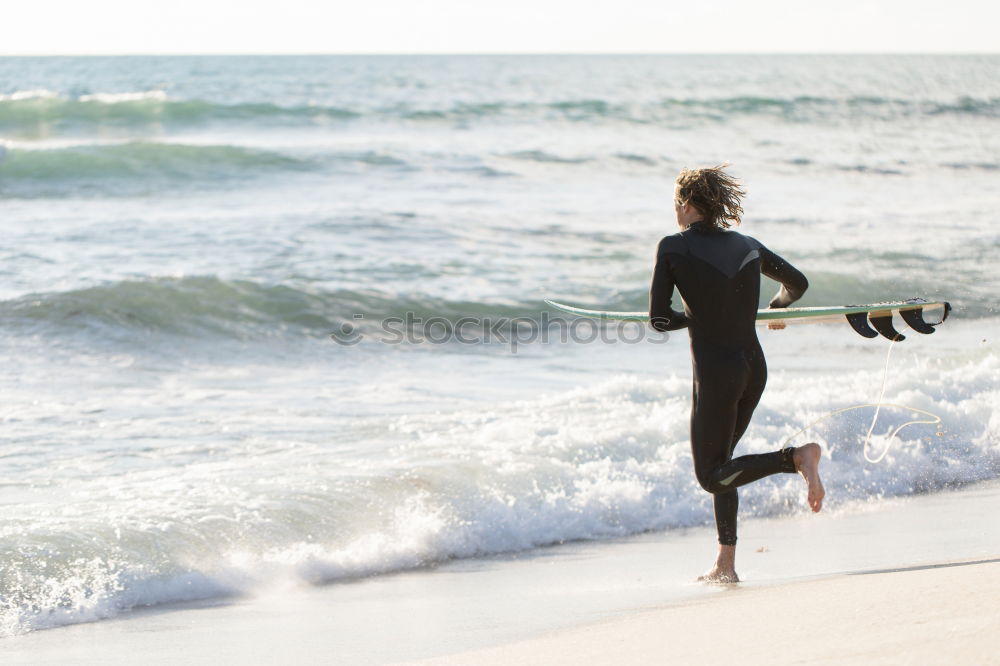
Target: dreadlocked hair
{"x": 714, "y": 193}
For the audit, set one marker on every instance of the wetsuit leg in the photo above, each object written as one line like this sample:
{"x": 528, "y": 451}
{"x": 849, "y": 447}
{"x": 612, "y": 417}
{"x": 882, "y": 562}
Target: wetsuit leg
{"x": 719, "y": 383}
{"x": 727, "y": 504}
{"x": 727, "y": 388}
{"x": 727, "y": 507}
{"x": 757, "y": 379}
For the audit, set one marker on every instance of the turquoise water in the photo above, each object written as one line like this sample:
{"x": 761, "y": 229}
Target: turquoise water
{"x": 182, "y": 235}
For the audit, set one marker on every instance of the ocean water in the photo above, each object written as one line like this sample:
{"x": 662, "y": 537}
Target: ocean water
{"x": 279, "y": 319}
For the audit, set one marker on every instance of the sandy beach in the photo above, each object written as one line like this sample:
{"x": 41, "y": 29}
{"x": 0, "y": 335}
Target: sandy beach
{"x": 938, "y": 613}
{"x": 903, "y": 581}
{"x": 941, "y": 612}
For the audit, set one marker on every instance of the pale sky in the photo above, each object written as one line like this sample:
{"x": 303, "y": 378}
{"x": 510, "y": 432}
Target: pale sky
{"x": 43, "y": 27}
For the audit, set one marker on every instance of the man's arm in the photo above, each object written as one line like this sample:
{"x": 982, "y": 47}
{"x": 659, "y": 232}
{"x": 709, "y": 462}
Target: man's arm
{"x": 793, "y": 282}
{"x": 662, "y": 317}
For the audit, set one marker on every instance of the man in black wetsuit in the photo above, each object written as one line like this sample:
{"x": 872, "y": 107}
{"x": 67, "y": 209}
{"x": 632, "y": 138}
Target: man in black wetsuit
{"x": 717, "y": 273}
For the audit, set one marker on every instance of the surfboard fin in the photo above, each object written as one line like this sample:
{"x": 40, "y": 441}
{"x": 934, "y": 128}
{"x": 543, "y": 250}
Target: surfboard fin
{"x": 883, "y": 324}
{"x": 915, "y": 320}
{"x": 859, "y": 322}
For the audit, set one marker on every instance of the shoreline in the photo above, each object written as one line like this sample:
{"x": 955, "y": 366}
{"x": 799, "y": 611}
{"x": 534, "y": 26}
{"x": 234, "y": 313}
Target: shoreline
{"x": 482, "y": 607}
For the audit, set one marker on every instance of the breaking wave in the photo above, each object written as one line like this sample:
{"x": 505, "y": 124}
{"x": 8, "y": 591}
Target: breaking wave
{"x": 42, "y": 113}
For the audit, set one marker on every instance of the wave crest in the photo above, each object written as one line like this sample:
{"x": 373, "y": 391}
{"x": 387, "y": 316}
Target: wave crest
{"x": 43, "y": 113}
{"x": 209, "y": 306}
{"x": 133, "y": 167}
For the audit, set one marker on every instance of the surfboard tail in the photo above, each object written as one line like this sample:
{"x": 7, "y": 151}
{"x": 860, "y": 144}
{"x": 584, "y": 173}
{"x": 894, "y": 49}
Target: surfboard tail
{"x": 881, "y": 322}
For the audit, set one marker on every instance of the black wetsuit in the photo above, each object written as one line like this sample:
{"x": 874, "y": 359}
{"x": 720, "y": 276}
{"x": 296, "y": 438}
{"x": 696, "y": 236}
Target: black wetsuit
{"x": 718, "y": 275}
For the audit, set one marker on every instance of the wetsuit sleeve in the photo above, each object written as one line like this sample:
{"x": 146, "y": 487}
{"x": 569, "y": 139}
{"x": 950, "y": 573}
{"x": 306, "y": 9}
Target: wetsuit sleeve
{"x": 662, "y": 316}
{"x": 793, "y": 282}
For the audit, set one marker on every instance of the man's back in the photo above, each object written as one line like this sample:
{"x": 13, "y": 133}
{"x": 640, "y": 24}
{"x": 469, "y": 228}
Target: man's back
{"x": 718, "y": 276}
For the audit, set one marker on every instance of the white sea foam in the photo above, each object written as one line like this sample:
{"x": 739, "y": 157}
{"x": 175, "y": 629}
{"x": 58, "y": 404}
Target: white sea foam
{"x": 603, "y": 461}
{"x": 116, "y": 98}
{"x": 37, "y": 93}
{"x": 101, "y": 97}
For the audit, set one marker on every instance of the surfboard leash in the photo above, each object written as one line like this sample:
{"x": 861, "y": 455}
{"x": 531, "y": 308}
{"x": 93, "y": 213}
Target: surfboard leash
{"x": 934, "y": 418}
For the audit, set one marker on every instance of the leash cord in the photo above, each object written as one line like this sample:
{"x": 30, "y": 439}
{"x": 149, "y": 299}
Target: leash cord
{"x": 878, "y": 405}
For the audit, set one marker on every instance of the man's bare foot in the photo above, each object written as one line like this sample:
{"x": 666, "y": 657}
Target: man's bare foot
{"x": 719, "y": 576}
{"x": 724, "y": 571}
{"x": 806, "y": 460}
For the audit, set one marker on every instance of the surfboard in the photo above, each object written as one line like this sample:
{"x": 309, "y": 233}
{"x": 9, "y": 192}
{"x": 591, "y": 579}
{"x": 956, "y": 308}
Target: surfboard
{"x": 868, "y": 320}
